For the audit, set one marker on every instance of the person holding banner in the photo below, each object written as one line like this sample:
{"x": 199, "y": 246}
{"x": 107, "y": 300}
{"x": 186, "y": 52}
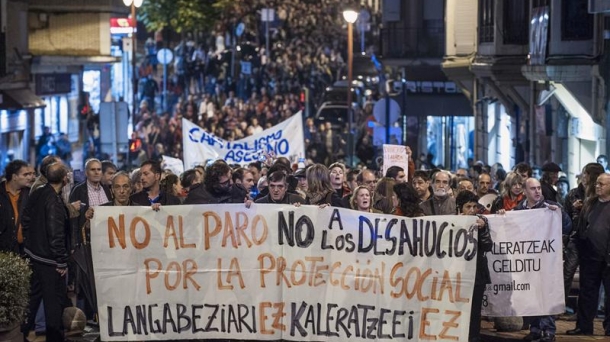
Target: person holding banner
{"x": 319, "y": 189}
{"x": 278, "y": 194}
{"x": 216, "y": 186}
{"x": 467, "y": 204}
{"x": 152, "y": 193}
{"x": 542, "y": 328}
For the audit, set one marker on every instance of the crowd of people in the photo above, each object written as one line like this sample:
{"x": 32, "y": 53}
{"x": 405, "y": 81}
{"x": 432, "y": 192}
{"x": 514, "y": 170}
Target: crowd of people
{"x": 306, "y": 50}
{"x": 412, "y": 193}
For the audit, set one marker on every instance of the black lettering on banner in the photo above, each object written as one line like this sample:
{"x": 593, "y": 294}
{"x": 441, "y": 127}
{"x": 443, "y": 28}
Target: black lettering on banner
{"x": 364, "y": 321}
{"x": 211, "y": 317}
{"x": 111, "y": 331}
{"x": 182, "y": 316}
{"x": 288, "y": 230}
{"x": 196, "y": 317}
{"x": 516, "y": 265}
{"x": 167, "y": 318}
{"x": 335, "y": 217}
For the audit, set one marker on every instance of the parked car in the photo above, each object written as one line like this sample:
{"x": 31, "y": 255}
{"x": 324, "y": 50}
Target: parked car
{"x": 339, "y": 95}
{"x": 333, "y": 112}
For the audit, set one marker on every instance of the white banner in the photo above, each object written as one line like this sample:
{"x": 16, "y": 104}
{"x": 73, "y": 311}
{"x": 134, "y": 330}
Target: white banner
{"x": 525, "y": 264}
{"x": 282, "y": 140}
{"x": 280, "y": 272}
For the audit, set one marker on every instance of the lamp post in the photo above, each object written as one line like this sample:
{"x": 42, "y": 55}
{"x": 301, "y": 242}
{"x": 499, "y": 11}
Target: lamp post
{"x": 350, "y": 16}
{"x": 134, "y": 75}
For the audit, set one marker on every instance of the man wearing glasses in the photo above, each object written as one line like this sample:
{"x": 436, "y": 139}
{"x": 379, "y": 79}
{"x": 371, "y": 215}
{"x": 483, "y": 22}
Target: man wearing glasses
{"x": 216, "y": 186}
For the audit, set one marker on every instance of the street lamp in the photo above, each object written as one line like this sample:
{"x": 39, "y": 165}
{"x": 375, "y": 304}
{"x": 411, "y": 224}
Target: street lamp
{"x": 350, "y": 16}
{"x": 134, "y": 24}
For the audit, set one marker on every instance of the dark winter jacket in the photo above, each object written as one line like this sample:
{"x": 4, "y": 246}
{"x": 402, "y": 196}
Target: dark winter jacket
{"x": 46, "y": 228}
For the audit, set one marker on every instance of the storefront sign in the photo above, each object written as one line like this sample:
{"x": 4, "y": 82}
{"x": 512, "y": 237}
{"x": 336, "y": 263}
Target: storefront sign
{"x": 52, "y": 84}
{"x": 121, "y": 26}
{"x": 431, "y": 87}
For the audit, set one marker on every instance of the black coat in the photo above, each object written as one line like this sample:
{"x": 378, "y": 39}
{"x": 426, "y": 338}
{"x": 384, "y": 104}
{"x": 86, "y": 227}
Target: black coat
{"x": 141, "y": 198}
{"x": 484, "y": 245}
{"x": 46, "y": 228}
{"x": 288, "y": 199}
{"x": 200, "y": 195}
{"x": 8, "y": 224}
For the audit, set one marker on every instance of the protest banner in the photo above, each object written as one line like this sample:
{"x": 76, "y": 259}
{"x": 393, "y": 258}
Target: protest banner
{"x": 282, "y": 140}
{"x": 525, "y": 264}
{"x": 274, "y": 272}
{"x": 395, "y": 155}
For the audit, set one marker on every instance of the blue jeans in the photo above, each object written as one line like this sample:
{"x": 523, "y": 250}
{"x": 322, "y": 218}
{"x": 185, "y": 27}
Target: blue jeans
{"x": 541, "y": 324}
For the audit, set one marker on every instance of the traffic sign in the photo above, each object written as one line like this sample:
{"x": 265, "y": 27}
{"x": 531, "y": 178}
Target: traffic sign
{"x": 239, "y": 30}
{"x": 379, "y": 111}
{"x": 165, "y": 56}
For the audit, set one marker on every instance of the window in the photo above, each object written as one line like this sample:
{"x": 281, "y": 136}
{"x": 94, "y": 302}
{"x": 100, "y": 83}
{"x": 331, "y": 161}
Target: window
{"x": 516, "y": 22}
{"x": 576, "y": 22}
{"x": 486, "y": 21}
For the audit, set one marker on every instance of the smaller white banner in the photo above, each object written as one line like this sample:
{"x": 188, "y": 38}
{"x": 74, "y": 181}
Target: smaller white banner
{"x": 395, "y": 155}
{"x": 525, "y": 264}
{"x": 174, "y": 164}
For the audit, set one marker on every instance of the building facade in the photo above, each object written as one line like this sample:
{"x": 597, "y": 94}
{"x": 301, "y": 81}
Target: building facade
{"x": 535, "y": 73}
{"x": 60, "y": 56}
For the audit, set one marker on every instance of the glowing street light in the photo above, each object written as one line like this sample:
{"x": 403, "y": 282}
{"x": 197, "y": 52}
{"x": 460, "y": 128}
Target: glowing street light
{"x": 350, "y": 16}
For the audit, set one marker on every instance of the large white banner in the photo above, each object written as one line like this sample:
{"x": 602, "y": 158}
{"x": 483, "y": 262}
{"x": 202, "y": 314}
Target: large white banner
{"x": 282, "y": 140}
{"x": 525, "y": 264}
{"x": 280, "y": 272}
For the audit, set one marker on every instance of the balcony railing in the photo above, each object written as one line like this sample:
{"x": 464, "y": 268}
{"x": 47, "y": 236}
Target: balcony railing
{"x": 412, "y": 42}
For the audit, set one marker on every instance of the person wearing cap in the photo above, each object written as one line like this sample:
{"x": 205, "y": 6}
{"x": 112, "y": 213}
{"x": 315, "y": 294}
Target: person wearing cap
{"x": 550, "y": 176}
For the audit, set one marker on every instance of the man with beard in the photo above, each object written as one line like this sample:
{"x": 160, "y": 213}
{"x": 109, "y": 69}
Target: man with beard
{"x": 151, "y": 193}
{"x": 440, "y": 203}
{"x": 14, "y": 193}
{"x": 216, "y": 186}
{"x": 46, "y": 237}
{"x": 421, "y": 184}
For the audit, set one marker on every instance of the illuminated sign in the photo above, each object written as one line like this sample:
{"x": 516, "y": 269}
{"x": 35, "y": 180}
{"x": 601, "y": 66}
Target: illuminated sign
{"x": 121, "y": 26}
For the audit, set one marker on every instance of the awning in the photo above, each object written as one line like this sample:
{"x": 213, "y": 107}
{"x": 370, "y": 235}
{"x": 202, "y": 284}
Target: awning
{"x": 17, "y": 99}
{"x": 436, "y": 105}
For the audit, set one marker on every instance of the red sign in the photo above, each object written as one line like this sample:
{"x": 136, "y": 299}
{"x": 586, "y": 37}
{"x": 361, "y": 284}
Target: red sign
{"x": 120, "y": 22}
